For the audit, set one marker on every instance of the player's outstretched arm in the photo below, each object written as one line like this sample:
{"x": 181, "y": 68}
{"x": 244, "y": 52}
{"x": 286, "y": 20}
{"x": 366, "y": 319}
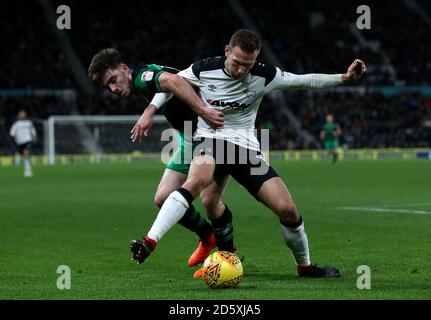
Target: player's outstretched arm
{"x": 287, "y": 80}
{"x": 182, "y": 89}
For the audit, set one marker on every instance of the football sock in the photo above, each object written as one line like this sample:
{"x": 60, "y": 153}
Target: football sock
{"x": 194, "y": 221}
{"x": 27, "y": 165}
{"x": 296, "y": 239}
{"x": 173, "y": 209}
{"x": 223, "y": 230}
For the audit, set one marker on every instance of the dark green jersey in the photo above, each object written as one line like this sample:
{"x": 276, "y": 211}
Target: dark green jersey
{"x": 330, "y": 130}
{"x": 145, "y": 84}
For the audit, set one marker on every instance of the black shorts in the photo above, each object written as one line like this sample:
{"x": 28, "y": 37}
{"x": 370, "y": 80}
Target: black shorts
{"x": 22, "y": 147}
{"x": 248, "y": 167}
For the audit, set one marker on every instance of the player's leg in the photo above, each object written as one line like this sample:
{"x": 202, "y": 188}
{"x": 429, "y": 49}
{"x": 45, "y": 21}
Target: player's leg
{"x": 275, "y": 195}
{"x": 173, "y": 179}
{"x": 266, "y": 186}
{"x": 220, "y": 216}
{"x": 334, "y": 156}
{"x": 176, "y": 205}
{"x": 331, "y": 148}
{"x": 219, "y": 213}
{"x": 28, "y": 171}
{"x": 335, "y": 151}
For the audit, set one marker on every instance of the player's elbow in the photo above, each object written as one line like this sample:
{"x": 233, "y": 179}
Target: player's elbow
{"x": 170, "y": 82}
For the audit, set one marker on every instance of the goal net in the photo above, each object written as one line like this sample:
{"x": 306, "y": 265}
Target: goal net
{"x": 98, "y": 135}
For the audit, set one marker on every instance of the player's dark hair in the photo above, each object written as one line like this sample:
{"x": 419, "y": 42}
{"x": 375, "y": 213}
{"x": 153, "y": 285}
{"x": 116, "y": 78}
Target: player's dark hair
{"x": 247, "y": 40}
{"x": 105, "y": 59}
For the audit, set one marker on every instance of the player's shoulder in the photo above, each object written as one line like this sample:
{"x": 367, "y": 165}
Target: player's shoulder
{"x": 23, "y": 121}
{"x": 144, "y": 74}
{"x": 207, "y": 64}
{"x": 158, "y": 68}
{"x": 263, "y": 70}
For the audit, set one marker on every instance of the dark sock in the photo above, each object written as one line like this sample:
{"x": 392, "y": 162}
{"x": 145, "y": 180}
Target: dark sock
{"x": 293, "y": 225}
{"x": 223, "y": 230}
{"x": 194, "y": 221}
{"x": 186, "y": 194}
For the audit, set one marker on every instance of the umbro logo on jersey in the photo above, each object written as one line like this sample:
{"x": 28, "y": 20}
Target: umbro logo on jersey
{"x": 212, "y": 87}
{"x": 147, "y": 76}
{"x": 229, "y": 104}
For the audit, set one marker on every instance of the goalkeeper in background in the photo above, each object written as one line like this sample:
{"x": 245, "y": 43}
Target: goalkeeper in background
{"x": 330, "y": 134}
{"x": 108, "y": 69}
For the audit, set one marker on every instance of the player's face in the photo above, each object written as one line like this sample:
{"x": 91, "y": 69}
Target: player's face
{"x": 329, "y": 118}
{"x": 238, "y": 63}
{"x": 22, "y": 115}
{"x": 118, "y": 81}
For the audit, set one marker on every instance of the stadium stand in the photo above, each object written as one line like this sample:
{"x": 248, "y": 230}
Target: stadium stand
{"x": 307, "y": 36}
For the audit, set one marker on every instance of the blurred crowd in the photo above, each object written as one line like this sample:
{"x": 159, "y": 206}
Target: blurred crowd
{"x": 306, "y": 36}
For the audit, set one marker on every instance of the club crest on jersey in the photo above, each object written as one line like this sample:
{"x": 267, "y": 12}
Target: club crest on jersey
{"x": 228, "y": 105}
{"x": 147, "y": 76}
{"x": 250, "y": 93}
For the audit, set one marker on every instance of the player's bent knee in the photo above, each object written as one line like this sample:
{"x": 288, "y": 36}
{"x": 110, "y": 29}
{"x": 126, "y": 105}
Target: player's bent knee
{"x": 196, "y": 185}
{"x": 287, "y": 211}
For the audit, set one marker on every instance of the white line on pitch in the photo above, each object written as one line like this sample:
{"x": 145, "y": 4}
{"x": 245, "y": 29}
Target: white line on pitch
{"x": 384, "y": 210}
{"x": 401, "y": 205}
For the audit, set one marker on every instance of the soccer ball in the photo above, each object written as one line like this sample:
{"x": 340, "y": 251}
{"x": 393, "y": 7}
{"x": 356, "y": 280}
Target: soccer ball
{"x": 222, "y": 269}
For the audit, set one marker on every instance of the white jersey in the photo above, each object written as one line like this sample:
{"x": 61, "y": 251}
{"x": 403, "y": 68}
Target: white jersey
{"x": 239, "y": 99}
{"x": 23, "y": 131}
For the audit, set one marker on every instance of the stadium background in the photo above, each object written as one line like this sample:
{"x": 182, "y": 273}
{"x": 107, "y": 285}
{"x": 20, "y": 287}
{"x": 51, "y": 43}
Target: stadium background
{"x": 389, "y": 111}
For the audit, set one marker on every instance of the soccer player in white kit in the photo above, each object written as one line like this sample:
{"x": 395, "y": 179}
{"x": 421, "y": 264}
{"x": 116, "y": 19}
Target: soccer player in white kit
{"x": 235, "y": 84}
{"x": 24, "y": 134}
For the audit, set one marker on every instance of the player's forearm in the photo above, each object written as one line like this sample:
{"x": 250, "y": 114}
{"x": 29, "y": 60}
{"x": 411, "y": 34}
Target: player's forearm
{"x": 314, "y": 80}
{"x": 150, "y": 110}
{"x": 183, "y": 90}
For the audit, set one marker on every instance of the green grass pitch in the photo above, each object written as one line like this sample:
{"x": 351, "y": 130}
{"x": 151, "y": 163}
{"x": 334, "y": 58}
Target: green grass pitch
{"x": 84, "y": 216}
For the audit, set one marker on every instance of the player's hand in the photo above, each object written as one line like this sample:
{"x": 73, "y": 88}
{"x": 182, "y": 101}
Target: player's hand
{"x": 355, "y": 71}
{"x": 213, "y": 118}
{"x": 144, "y": 124}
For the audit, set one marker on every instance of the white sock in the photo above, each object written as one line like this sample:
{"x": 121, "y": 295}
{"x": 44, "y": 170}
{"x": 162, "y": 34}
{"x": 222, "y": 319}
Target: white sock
{"x": 296, "y": 240}
{"x": 173, "y": 209}
{"x": 27, "y": 165}
{"x": 17, "y": 160}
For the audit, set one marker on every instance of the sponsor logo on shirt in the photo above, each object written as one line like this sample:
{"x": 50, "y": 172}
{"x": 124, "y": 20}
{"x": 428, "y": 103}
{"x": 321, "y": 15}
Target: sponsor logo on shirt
{"x": 228, "y": 105}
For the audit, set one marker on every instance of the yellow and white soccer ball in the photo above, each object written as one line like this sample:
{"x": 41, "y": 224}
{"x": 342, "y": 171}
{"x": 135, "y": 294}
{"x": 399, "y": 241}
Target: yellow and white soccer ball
{"x": 222, "y": 269}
